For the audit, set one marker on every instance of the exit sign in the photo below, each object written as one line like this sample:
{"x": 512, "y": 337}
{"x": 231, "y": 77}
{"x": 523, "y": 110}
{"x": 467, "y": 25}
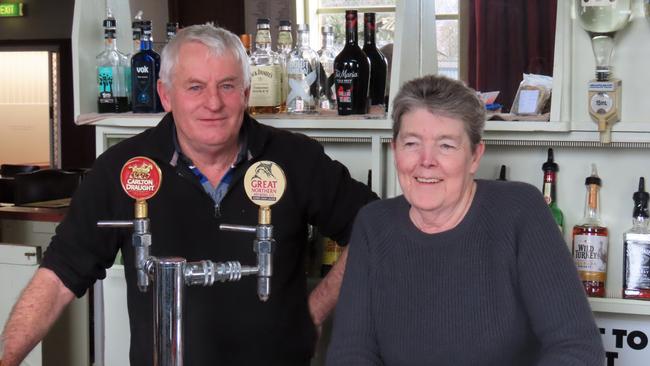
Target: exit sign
{"x": 11, "y": 10}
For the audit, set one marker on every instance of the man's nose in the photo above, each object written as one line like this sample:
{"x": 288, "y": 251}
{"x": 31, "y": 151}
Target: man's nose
{"x": 214, "y": 101}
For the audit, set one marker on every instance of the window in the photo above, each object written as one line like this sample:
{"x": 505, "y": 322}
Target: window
{"x": 320, "y": 12}
{"x": 448, "y": 37}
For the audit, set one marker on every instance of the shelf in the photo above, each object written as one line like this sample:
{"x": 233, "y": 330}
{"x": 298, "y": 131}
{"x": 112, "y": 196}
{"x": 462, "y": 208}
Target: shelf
{"x": 527, "y": 126}
{"x": 620, "y": 306}
{"x": 128, "y": 119}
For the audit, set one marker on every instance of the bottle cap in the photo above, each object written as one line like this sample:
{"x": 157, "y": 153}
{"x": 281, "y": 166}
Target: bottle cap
{"x": 263, "y": 21}
{"x": 641, "y": 198}
{"x": 593, "y": 178}
{"x": 172, "y": 27}
{"x": 285, "y": 23}
{"x": 327, "y": 28}
{"x": 550, "y": 164}
{"x": 502, "y": 173}
{"x": 303, "y": 27}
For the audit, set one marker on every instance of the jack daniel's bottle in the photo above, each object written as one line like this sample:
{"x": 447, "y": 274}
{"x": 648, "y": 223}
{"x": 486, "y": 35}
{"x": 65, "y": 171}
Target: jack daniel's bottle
{"x": 352, "y": 70}
{"x": 266, "y": 73}
{"x": 112, "y": 68}
{"x": 145, "y": 66}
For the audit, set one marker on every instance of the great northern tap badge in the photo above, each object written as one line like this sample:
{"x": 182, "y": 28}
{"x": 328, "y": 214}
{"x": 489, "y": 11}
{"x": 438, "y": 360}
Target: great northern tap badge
{"x": 264, "y": 183}
{"x": 141, "y": 178}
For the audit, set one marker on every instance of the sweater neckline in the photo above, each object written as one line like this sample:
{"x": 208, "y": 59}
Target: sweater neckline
{"x": 448, "y": 235}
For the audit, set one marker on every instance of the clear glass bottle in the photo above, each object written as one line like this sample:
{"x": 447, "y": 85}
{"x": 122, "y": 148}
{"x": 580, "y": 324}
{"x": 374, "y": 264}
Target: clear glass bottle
{"x": 284, "y": 48}
{"x": 303, "y": 69}
{"x": 550, "y": 169}
{"x": 172, "y": 29}
{"x": 636, "y": 249}
{"x": 591, "y": 241}
{"x": 378, "y": 63}
{"x": 352, "y": 72}
{"x": 136, "y": 31}
{"x": 112, "y": 68}
{"x": 266, "y": 73}
{"x": 145, "y": 68}
{"x": 326, "y": 56}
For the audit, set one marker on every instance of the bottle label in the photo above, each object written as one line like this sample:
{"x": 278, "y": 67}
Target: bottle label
{"x": 265, "y": 86}
{"x": 590, "y": 256}
{"x": 331, "y": 251}
{"x": 637, "y": 265}
{"x": 303, "y": 85}
{"x": 105, "y": 82}
{"x": 345, "y": 81}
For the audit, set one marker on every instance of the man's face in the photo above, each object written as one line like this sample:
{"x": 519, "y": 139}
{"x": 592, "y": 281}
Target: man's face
{"x": 207, "y": 98}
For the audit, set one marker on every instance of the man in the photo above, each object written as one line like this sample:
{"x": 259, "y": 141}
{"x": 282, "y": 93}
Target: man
{"x": 203, "y": 147}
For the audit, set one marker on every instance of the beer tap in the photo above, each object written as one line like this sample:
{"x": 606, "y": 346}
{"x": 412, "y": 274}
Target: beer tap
{"x": 141, "y": 177}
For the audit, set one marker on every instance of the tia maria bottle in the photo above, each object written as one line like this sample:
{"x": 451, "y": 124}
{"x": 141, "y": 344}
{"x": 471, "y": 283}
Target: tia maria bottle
{"x": 352, "y": 71}
{"x": 378, "y": 63}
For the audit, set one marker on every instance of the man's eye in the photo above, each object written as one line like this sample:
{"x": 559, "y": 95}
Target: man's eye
{"x": 447, "y": 147}
{"x": 194, "y": 88}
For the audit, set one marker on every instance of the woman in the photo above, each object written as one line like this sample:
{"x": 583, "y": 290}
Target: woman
{"x": 457, "y": 271}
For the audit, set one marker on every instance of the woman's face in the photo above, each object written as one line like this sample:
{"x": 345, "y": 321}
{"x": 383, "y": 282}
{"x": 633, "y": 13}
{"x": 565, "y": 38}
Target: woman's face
{"x": 435, "y": 163}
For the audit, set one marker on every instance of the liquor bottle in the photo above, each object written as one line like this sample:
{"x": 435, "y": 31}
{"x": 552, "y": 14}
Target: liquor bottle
{"x": 266, "y": 73}
{"x": 352, "y": 71}
{"x": 550, "y": 169}
{"x": 590, "y": 241}
{"x": 636, "y": 249}
{"x": 111, "y": 72}
{"x": 246, "y": 41}
{"x": 502, "y": 173}
{"x": 303, "y": 70}
{"x": 145, "y": 67}
{"x": 136, "y": 31}
{"x": 378, "y": 63}
{"x": 331, "y": 253}
{"x": 326, "y": 56}
{"x": 172, "y": 29}
{"x": 284, "y": 48}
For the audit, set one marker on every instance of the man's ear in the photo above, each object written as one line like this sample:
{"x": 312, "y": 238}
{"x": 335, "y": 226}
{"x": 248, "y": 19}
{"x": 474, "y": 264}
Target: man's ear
{"x": 165, "y": 98}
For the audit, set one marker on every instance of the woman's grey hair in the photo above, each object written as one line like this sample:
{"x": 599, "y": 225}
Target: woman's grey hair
{"x": 441, "y": 96}
{"x": 218, "y": 40}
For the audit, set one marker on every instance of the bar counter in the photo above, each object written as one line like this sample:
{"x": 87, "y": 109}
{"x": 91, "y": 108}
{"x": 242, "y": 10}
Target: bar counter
{"x": 32, "y": 213}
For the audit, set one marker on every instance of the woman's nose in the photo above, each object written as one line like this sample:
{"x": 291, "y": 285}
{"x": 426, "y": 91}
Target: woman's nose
{"x": 428, "y": 156}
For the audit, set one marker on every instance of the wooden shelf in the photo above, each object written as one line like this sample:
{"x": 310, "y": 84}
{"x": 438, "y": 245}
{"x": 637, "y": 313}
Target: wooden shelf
{"x": 620, "y": 306}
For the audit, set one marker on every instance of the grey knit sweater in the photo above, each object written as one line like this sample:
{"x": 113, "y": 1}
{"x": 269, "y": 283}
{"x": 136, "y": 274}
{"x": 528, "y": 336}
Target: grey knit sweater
{"x": 498, "y": 289}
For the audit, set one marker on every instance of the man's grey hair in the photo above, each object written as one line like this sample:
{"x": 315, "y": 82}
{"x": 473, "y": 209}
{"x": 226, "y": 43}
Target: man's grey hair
{"x": 218, "y": 40}
{"x": 441, "y": 96}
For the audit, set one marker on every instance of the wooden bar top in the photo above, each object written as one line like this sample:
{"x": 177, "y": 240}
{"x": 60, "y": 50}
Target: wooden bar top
{"x": 32, "y": 213}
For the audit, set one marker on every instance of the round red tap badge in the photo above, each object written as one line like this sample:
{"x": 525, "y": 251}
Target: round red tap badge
{"x": 264, "y": 183}
{"x": 140, "y": 178}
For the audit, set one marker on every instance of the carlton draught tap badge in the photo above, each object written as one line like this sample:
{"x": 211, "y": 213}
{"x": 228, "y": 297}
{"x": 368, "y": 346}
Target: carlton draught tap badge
{"x": 264, "y": 183}
{"x": 140, "y": 178}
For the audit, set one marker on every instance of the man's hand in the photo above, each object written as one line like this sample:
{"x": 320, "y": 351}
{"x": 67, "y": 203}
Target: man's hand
{"x": 324, "y": 297}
